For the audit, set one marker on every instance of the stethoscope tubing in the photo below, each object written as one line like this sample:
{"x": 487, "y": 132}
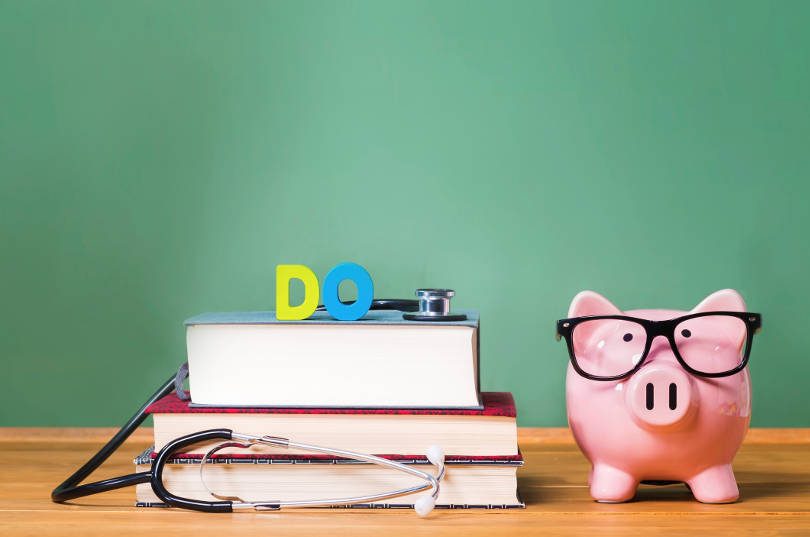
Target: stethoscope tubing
{"x": 429, "y": 481}
{"x": 223, "y": 506}
{"x": 71, "y": 488}
{"x": 156, "y": 478}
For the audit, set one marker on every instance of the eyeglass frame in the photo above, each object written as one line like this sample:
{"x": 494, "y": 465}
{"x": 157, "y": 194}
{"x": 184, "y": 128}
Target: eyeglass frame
{"x": 653, "y": 329}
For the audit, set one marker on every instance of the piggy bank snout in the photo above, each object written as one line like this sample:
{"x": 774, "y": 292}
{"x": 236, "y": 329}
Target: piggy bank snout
{"x": 660, "y": 396}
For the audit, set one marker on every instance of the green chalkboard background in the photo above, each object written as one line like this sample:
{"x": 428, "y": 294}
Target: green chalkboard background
{"x": 158, "y": 159}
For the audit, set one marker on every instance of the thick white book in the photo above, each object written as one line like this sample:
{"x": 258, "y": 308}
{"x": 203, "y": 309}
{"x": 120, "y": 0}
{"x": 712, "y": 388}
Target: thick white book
{"x": 380, "y": 361}
{"x": 468, "y": 483}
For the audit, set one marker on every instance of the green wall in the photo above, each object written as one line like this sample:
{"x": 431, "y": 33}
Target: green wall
{"x": 158, "y": 159}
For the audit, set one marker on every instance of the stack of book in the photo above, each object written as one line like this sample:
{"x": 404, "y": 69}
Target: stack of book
{"x": 380, "y": 385}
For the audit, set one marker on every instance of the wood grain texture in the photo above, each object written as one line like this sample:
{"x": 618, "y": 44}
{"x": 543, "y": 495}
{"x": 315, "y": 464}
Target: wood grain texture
{"x": 773, "y": 468}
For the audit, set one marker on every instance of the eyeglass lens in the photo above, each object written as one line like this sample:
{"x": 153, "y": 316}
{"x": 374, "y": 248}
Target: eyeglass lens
{"x": 608, "y": 347}
{"x": 713, "y": 343}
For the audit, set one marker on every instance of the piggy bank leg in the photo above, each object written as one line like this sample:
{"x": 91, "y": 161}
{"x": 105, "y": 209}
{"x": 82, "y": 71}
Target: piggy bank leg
{"x": 715, "y": 485}
{"x": 611, "y": 485}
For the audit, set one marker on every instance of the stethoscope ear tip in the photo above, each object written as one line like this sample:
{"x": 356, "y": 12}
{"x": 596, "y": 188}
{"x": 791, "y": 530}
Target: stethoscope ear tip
{"x": 435, "y": 455}
{"x": 424, "y": 505}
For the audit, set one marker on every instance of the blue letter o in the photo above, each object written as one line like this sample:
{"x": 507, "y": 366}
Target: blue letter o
{"x": 365, "y": 292}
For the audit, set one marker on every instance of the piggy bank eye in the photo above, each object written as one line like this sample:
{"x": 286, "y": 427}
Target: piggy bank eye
{"x": 686, "y": 332}
{"x": 628, "y": 337}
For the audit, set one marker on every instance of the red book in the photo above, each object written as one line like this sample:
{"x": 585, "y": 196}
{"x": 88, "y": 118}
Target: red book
{"x": 487, "y": 433}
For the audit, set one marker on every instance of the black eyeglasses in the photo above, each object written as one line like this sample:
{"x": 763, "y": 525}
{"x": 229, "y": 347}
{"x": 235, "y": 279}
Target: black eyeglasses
{"x": 613, "y": 347}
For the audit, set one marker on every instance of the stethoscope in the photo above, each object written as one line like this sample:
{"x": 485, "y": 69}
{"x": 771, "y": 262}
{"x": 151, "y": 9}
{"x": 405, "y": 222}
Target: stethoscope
{"x": 432, "y": 305}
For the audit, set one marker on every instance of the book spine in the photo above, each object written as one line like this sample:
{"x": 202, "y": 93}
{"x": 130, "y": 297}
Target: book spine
{"x": 520, "y": 505}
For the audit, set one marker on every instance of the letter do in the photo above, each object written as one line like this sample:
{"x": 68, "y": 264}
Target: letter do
{"x": 331, "y": 299}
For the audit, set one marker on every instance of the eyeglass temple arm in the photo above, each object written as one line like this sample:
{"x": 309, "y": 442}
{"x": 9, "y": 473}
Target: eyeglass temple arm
{"x": 562, "y": 323}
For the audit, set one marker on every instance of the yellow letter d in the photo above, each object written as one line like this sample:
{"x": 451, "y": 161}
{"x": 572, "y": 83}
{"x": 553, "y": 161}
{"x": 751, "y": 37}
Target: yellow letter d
{"x": 285, "y": 273}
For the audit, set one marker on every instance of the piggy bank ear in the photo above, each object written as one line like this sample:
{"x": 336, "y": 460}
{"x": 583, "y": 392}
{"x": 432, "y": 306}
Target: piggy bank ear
{"x": 590, "y": 303}
{"x": 725, "y": 300}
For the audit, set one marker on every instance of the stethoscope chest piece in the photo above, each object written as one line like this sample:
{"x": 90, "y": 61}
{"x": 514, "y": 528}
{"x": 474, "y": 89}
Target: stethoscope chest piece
{"x": 434, "y": 305}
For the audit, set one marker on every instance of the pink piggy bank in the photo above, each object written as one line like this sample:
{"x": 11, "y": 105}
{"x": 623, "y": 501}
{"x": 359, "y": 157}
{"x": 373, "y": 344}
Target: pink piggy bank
{"x": 659, "y": 395}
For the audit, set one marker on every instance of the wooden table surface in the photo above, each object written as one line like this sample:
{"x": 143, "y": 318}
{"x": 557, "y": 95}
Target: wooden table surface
{"x": 773, "y": 469}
